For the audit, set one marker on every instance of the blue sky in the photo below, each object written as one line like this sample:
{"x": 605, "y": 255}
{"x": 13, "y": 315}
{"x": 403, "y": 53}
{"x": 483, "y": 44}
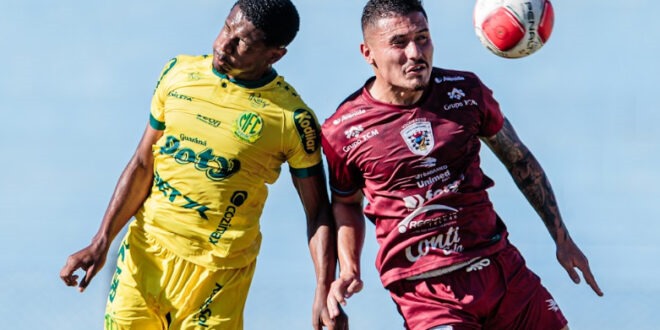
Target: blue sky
{"x": 74, "y": 95}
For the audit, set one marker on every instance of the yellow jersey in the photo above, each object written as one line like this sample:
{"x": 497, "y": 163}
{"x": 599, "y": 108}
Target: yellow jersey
{"x": 223, "y": 140}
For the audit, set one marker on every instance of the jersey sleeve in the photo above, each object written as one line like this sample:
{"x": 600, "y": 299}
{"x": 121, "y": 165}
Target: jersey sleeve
{"x": 344, "y": 179}
{"x": 302, "y": 143}
{"x": 157, "y": 112}
{"x": 492, "y": 117}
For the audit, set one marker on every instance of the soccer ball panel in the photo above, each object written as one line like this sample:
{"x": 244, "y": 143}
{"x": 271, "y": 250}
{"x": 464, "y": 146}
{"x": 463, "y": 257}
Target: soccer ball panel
{"x": 513, "y": 28}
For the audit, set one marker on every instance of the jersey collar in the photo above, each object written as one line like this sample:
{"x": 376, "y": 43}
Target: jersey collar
{"x": 270, "y": 76}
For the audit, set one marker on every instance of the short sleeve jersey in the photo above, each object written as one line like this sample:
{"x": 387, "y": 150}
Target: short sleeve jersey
{"x": 223, "y": 141}
{"x": 419, "y": 169}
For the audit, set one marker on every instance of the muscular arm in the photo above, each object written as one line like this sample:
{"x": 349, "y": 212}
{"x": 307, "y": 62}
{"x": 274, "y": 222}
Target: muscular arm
{"x": 130, "y": 192}
{"x": 530, "y": 178}
{"x": 535, "y": 186}
{"x": 349, "y": 219}
{"x": 321, "y": 240}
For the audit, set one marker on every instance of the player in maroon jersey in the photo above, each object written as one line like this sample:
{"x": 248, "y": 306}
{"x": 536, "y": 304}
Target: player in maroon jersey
{"x": 409, "y": 142}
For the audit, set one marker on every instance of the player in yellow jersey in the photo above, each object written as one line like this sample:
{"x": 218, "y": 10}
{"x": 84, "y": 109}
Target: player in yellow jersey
{"x": 220, "y": 128}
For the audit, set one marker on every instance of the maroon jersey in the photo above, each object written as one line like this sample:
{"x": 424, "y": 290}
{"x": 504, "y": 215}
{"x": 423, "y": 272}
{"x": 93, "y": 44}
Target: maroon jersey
{"x": 418, "y": 167}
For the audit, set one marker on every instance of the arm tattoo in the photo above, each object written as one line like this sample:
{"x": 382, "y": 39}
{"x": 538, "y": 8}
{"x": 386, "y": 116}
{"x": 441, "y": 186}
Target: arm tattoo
{"x": 529, "y": 177}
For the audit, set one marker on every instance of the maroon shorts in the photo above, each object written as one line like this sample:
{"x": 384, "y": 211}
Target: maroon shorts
{"x": 496, "y": 292}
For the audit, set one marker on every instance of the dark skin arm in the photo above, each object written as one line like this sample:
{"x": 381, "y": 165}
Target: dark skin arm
{"x": 535, "y": 186}
{"x": 321, "y": 240}
{"x": 132, "y": 189}
{"x": 349, "y": 219}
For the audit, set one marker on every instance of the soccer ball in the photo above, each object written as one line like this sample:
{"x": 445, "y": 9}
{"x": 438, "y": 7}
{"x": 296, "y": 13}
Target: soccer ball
{"x": 513, "y": 28}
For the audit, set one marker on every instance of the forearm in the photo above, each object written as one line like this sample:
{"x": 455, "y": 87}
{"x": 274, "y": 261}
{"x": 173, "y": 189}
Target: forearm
{"x": 535, "y": 186}
{"x": 130, "y": 192}
{"x": 349, "y": 220}
{"x": 322, "y": 242}
{"x": 529, "y": 177}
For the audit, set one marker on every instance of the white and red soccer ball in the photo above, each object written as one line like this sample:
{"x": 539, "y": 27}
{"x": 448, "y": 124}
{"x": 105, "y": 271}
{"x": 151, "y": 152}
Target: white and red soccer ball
{"x": 513, "y": 28}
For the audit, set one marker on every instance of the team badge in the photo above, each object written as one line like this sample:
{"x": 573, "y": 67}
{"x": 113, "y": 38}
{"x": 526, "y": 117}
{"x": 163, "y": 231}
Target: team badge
{"x": 248, "y": 127}
{"x": 419, "y": 137}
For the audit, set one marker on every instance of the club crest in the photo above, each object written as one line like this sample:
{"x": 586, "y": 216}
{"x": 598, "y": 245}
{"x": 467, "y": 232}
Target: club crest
{"x": 419, "y": 137}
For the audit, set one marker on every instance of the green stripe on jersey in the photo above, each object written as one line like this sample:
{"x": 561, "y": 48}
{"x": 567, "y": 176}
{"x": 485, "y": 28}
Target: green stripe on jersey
{"x": 155, "y": 124}
{"x": 307, "y": 172}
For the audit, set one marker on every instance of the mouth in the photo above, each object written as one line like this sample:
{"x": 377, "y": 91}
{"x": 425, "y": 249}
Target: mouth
{"x": 416, "y": 68}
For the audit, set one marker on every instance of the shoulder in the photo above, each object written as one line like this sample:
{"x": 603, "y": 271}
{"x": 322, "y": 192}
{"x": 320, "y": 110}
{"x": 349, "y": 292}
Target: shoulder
{"x": 349, "y": 108}
{"x": 441, "y": 75}
{"x": 184, "y": 63}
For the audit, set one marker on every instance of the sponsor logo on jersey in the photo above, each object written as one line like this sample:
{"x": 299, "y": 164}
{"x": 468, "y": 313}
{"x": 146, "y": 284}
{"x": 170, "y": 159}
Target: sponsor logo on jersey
{"x": 215, "y": 167}
{"x": 237, "y": 199}
{"x": 176, "y": 94}
{"x": 428, "y": 162}
{"x": 418, "y": 136}
{"x": 439, "y": 80}
{"x": 205, "y": 311}
{"x": 552, "y": 305}
{"x": 307, "y": 129}
{"x": 409, "y": 222}
{"x": 477, "y": 266}
{"x": 458, "y": 95}
{"x": 366, "y": 136}
{"x": 195, "y": 140}
{"x": 448, "y": 242}
{"x": 414, "y": 201}
{"x": 256, "y": 101}
{"x": 348, "y": 116}
{"x": 193, "y": 76}
{"x": 208, "y": 120}
{"x": 248, "y": 127}
{"x": 175, "y": 196}
{"x": 353, "y": 131}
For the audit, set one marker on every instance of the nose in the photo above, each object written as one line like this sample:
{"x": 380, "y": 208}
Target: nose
{"x": 224, "y": 43}
{"x": 413, "y": 50}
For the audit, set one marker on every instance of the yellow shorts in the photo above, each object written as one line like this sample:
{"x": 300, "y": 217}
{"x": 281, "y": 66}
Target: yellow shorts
{"x": 153, "y": 289}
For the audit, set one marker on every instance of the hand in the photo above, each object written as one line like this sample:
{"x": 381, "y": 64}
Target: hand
{"x": 321, "y": 317}
{"x": 90, "y": 259}
{"x": 340, "y": 290}
{"x": 571, "y": 257}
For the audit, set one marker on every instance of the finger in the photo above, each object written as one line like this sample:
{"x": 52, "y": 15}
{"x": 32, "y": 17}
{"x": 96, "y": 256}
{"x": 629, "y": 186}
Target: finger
{"x": 333, "y": 306}
{"x": 326, "y": 320}
{"x": 71, "y": 280}
{"x": 573, "y": 274}
{"x": 91, "y": 271}
{"x": 66, "y": 273}
{"x": 354, "y": 287}
{"x": 591, "y": 280}
{"x": 338, "y": 296}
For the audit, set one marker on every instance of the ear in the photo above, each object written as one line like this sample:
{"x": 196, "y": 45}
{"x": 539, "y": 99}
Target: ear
{"x": 366, "y": 53}
{"x": 276, "y": 54}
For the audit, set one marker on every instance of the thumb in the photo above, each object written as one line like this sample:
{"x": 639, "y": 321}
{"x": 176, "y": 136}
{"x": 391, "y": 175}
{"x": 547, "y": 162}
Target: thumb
{"x": 354, "y": 287}
{"x": 91, "y": 271}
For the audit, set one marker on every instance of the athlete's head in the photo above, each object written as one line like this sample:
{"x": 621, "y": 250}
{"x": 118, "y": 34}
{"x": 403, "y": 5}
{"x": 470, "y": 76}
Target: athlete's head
{"x": 397, "y": 44}
{"x": 254, "y": 36}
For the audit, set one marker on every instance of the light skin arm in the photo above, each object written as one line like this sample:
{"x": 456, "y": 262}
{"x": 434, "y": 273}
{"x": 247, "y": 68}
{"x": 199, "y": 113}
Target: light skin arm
{"x": 130, "y": 192}
{"x": 535, "y": 186}
{"x": 321, "y": 240}
{"x": 349, "y": 219}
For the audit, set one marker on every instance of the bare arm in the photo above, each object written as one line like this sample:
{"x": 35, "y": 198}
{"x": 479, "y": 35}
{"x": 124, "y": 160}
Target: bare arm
{"x": 131, "y": 191}
{"x": 322, "y": 244}
{"x": 349, "y": 219}
{"x": 535, "y": 186}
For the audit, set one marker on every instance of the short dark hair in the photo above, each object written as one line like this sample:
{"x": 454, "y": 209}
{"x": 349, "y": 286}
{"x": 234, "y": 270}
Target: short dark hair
{"x": 277, "y": 19}
{"x": 377, "y": 9}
